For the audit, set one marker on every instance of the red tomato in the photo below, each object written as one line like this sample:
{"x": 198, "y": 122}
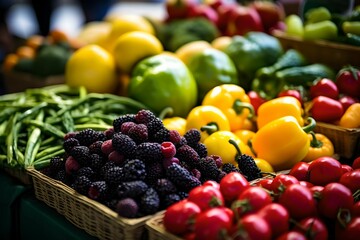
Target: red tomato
{"x": 252, "y": 226}
{"x": 299, "y": 201}
{"x": 264, "y": 183}
{"x": 251, "y": 200}
{"x": 355, "y": 210}
{"x": 345, "y": 168}
{"x": 306, "y": 184}
{"x": 317, "y": 190}
{"x": 324, "y": 87}
{"x": 179, "y": 216}
{"x": 351, "y": 231}
{"x": 324, "y": 170}
{"x": 356, "y": 163}
{"x": 277, "y": 217}
{"x": 211, "y": 223}
{"x": 292, "y": 235}
{"x": 347, "y": 101}
{"x": 212, "y": 183}
{"x": 206, "y": 197}
{"x": 281, "y": 181}
{"x": 351, "y": 180}
{"x": 256, "y": 100}
{"x": 292, "y": 93}
{"x": 348, "y": 81}
{"x": 300, "y": 171}
{"x": 333, "y": 197}
{"x": 313, "y": 228}
{"x": 232, "y": 185}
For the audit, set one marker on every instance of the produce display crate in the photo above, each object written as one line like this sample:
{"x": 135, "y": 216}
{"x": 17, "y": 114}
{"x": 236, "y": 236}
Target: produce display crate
{"x": 346, "y": 140}
{"x": 19, "y": 82}
{"x": 333, "y": 54}
{"x": 156, "y": 229}
{"x": 85, "y": 213}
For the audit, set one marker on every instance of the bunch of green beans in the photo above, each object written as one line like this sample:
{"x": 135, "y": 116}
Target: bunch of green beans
{"x": 33, "y": 123}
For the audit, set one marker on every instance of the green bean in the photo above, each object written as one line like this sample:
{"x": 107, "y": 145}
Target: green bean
{"x": 49, "y": 156}
{"x": 32, "y": 111}
{"x": 46, "y": 128}
{"x": 11, "y": 135}
{"x": 68, "y": 122}
{"x": 48, "y": 151}
{"x": 33, "y": 143}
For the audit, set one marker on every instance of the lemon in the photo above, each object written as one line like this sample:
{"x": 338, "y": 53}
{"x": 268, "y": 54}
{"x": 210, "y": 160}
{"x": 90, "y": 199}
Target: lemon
{"x": 125, "y": 23}
{"x": 134, "y": 46}
{"x": 187, "y": 51}
{"x": 94, "y": 32}
{"x": 93, "y": 67}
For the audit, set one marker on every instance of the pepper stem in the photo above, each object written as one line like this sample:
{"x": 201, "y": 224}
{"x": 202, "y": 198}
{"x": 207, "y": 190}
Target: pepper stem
{"x": 315, "y": 143}
{"x": 233, "y": 142}
{"x": 165, "y": 112}
{"x": 239, "y": 106}
{"x": 310, "y": 127}
{"x": 210, "y": 128}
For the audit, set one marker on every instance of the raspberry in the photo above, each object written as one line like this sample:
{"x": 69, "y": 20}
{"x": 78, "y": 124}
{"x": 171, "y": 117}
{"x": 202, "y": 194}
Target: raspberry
{"x": 107, "y": 147}
{"x": 71, "y": 165}
{"x": 120, "y": 120}
{"x": 175, "y": 137}
{"x": 168, "y": 149}
{"x": 126, "y": 126}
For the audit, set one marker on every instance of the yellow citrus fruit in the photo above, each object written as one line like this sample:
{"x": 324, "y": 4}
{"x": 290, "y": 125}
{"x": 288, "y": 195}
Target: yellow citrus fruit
{"x": 220, "y": 43}
{"x": 127, "y": 23}
{"x": 264, "y": 165}
{"x": 134, "y": 46}
{"x": 93, "y": 67}
{"x": 94, "y": 32}
{"x": 187, "y": 51}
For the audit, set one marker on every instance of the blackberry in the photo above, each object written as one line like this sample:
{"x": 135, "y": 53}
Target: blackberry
{"x": 154, "y": 171}
{"x": 96, "y": 147}
{"x": 69, "y": 143}
{"x": 192, "y": 136}
{"x": 81, "y": 155}
{"x": 134, "y": 169}
{"x": 170, "y": 199}
{"x": 82, "y": 184}
{"x": 132, "y": 189}
{"x": 60, "y": 175}
{"x": 98, "y": 191}
{"x": 109, "y": 133}
{"x": 71, "y": 165}
{"x": 174, "y": 137}
{"x": 201, "y": 149}
{"x": 246, "y": 164}
{"x": 96, "y": 162}
{"x": 149, "y": 202}
{"x": 149, "y": 152}
{"x": 107, "y": 147}
{"x": 126, "y": 126}
{"x": 116, "y": 157}
{"x": 88, "y": 136}
{"x": 183, "y": 195}
{"x": 154, "y": 126}
{"x": 87, "y": 172}
{"x": 144, "y": 116}
{"x": 56, "y": 164}
{"x": 188, "y": 155}
{"x": 120, "y": 120}
{"x": 196, "y": 173}
{"x": 229, "y": 167}
{"x": 166, "y": 162}
{"x": 163, "y": 135}
{"x": 218, "y": 160}
{"x": 164, "y": 186}
{"x": 181, "y": 177}
{"x": 107, "y": 165}
{"x": 114, "y": 175}
{"x": 139, "y": 133}
{"x": 69, "y": 135}
{"x": 209, "y": 169}
{"x": 123, "y": 144}
{"x": 127, "y": 208}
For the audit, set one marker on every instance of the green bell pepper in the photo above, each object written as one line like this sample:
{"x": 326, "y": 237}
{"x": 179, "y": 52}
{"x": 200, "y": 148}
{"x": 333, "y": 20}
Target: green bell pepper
{"x": 163, "y": 81}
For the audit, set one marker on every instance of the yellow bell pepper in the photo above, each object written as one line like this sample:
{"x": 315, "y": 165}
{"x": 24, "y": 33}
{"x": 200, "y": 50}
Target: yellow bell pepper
{"x": 207, "y": 119}
{"x": 264, "y": 166}
{"x": 175, "y": 123}
{"x": 245, "y": 135}
{"x": 279, "y": 107}
{"x": 218, "y": 144}
{"x": 320, "y": 146}
{"x": 282, "y": 142}
{"x": 351, "y": 117}
{"x": 233, "y": 101}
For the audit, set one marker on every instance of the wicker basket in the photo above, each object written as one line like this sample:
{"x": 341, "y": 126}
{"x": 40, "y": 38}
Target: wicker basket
{"x": 333, "y": 54}
{"x": 94, "y": 217}
{"x": 156, "y": 229}
{"x": 346, "y": 140}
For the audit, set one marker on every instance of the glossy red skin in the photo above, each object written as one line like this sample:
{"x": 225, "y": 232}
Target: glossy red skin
{"x": 255, "y": 227}
{"x": 282, "y": 181}
{"x": 306, "y": 184}
{"x": 203, "y": 10}
{"x": 347, "y": 101}
{"x": 299, "y": 201}
{"x": 313, "y": 227}
{"x": 277, "y": 217}
{"x": 211, "y": 222}
{"x": 292, "y": 93}
{"x": 177, "y": 218}
{"x": 252, "y": 199}
{"x": 356, "y": 163}
{"x": 324, "y": 170}
{"x": 265, "y": 183}
{"x": 351, "y": 180}
{"x": 346, "y": 168}
{"x": 211, "y": 183}
{"x": 316, "y": 190}
{"x": 333, "y": 197}
{"x": 300, "y": 171}
{"x": 242, "y": 20}
{"x": 351, "y": 232}
{"x": 178, "y": 9}
{"x": 325, "y": 109}
{"x": 355, "y": 210}
{"x": 206, "y": 197}
{"x": 347, "y": 83}
{"x": 270, "y": 13}
{"x": 292, "y": 235}
{"x": 223, "y": 12}
{"x": 324, "y": 87}
{"x": 255, "y": 99}
{"x": 232, "y": 185}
